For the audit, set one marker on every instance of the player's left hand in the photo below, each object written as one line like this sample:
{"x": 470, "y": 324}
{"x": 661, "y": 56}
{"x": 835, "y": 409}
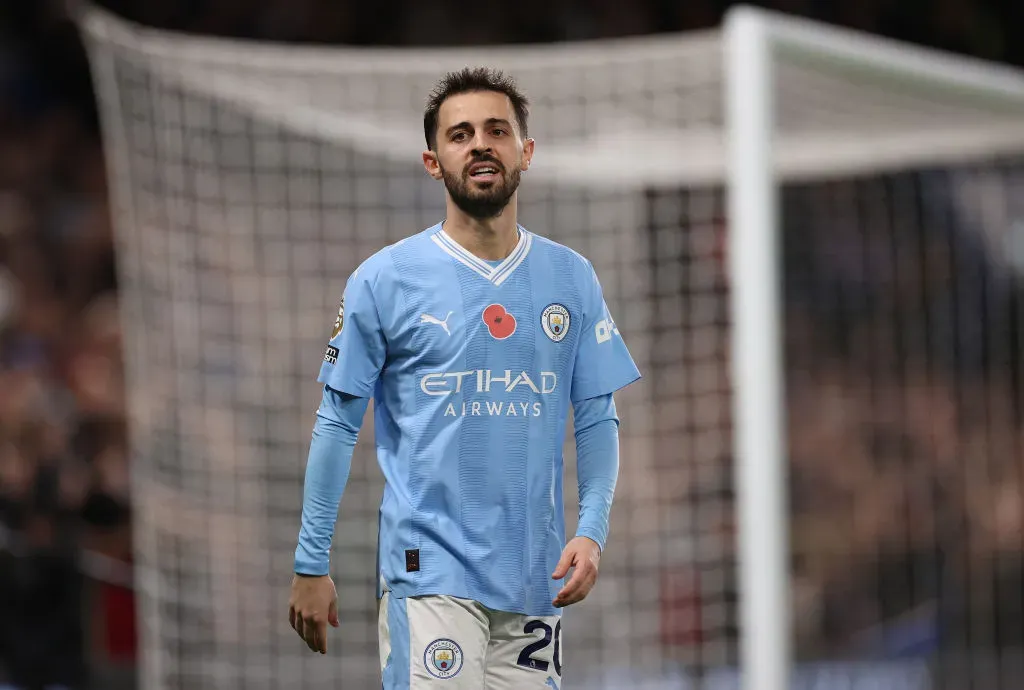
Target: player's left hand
{"x": 583, "y": 555}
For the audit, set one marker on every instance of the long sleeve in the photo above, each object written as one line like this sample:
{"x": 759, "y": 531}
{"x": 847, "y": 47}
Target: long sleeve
{"x": 330, "y": 459}
{"x": 597, "y": 460}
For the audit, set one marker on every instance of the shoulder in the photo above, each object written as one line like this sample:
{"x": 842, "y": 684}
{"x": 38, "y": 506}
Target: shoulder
{"x": 382, "y": 268}
{"x": 545, "y": 245}
{"x": 579, "y": 265}
{"x": 369, "y": 273}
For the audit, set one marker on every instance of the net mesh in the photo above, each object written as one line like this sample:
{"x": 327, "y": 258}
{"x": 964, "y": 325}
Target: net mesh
{"x": 249, "y": 180}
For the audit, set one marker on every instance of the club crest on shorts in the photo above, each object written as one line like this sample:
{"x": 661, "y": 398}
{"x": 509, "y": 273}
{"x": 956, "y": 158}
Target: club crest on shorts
{"x": 443, "y": 658}
{"x": 555, "y": 321}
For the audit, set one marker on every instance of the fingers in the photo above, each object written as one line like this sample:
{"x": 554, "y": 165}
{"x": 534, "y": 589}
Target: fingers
{"x": 583, "y": 579}
{"x": 312, "y": 606}
{"x": 307, "y": 628}
{"x": 312, "y": 631}
{"x": 320, "y": 628}
{"x": 564, "y": 563}
{"x": 569, "y": 592}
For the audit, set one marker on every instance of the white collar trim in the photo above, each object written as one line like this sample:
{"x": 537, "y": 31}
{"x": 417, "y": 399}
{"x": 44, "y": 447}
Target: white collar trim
{"x": 494, "y": 274}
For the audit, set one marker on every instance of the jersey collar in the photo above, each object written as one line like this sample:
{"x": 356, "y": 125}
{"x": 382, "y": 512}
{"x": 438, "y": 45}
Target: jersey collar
{"x": 494, "y": 274}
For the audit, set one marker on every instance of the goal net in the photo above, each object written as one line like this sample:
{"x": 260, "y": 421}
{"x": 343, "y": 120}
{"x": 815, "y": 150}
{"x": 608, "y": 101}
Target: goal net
{"x": 249, "y": 179}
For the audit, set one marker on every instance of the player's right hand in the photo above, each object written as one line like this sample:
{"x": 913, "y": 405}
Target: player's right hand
{"x": 312, "y": 605}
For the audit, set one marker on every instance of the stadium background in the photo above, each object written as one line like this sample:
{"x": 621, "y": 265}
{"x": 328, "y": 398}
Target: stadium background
{"x": 66, "y": 604}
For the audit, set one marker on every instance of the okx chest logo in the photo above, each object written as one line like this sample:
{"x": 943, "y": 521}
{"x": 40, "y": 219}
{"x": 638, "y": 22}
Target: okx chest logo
{"x": 500, "y": 323}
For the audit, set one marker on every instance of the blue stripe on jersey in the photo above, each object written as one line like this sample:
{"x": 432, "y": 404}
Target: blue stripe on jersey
{"x": 512, "y": 436}
{"x": 548, "y": 526}
{"x": 432, "y": 526}
{"x": 547, "y": 482}
{"x": 472, "y": 437}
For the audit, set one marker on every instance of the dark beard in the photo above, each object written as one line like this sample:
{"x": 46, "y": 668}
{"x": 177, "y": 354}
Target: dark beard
{"x": 481, "y": 203}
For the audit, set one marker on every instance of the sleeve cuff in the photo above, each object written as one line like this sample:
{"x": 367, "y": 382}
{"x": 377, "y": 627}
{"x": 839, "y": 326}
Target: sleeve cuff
{"x": 311, "y": 568}
{"x": 593, "y": 535}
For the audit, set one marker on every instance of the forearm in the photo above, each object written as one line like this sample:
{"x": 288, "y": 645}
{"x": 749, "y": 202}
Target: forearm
{"x": 327, "y": 470}
{"x": 597, "y": 461}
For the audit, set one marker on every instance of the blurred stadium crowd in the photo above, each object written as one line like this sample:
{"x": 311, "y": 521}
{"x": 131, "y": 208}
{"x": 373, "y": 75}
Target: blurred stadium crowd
{"x": 904, "y": 408}
{"x": 907, "y": 438}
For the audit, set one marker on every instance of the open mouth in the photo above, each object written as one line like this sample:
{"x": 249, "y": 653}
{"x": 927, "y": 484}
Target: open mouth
{"x": 484, "y": 172}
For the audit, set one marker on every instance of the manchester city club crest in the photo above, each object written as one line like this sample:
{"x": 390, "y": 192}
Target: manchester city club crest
{"x": 443, "y": 658}
{"x": 555, "y": 321}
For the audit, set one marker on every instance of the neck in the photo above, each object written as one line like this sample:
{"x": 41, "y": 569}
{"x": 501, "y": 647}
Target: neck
{"x": 491, "y": 239}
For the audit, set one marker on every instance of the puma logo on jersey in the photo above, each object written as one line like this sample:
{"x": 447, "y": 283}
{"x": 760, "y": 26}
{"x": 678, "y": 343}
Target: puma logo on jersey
{"x": 427, "y": 318}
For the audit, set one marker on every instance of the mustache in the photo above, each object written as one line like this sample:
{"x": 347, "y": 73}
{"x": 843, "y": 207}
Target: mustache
{"x": 485, "y": 159}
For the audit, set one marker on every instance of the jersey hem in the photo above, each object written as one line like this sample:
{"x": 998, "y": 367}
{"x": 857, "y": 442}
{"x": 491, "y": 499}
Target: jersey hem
{"x": 347, "y": 389}
{"x": 603, "y": 390}
{"x": 401, "y": 592}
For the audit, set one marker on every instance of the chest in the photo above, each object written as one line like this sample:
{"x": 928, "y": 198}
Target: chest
{"x": 452, "y": 321}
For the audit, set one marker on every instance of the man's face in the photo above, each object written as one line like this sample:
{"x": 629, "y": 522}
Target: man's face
{"x": 480, "y": 152}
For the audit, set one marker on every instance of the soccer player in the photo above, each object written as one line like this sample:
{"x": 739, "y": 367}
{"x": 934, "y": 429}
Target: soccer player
{"x": 473, "y": 337}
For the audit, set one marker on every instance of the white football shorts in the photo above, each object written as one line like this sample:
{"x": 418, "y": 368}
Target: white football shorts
{"x": 458, "y": 644}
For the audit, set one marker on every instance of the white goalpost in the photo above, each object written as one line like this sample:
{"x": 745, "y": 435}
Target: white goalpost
{"x": 757, "y": 358}
{"x": 761, "y": 157}
{"x": 810, "y": 239}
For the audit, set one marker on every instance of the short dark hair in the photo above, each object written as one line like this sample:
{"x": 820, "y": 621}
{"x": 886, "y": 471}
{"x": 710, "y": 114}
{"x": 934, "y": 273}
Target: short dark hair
{"x": 467, "y": 80}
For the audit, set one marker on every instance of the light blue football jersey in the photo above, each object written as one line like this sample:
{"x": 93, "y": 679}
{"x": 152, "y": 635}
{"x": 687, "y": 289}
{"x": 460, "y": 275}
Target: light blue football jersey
{"x": 472, "y": 367}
